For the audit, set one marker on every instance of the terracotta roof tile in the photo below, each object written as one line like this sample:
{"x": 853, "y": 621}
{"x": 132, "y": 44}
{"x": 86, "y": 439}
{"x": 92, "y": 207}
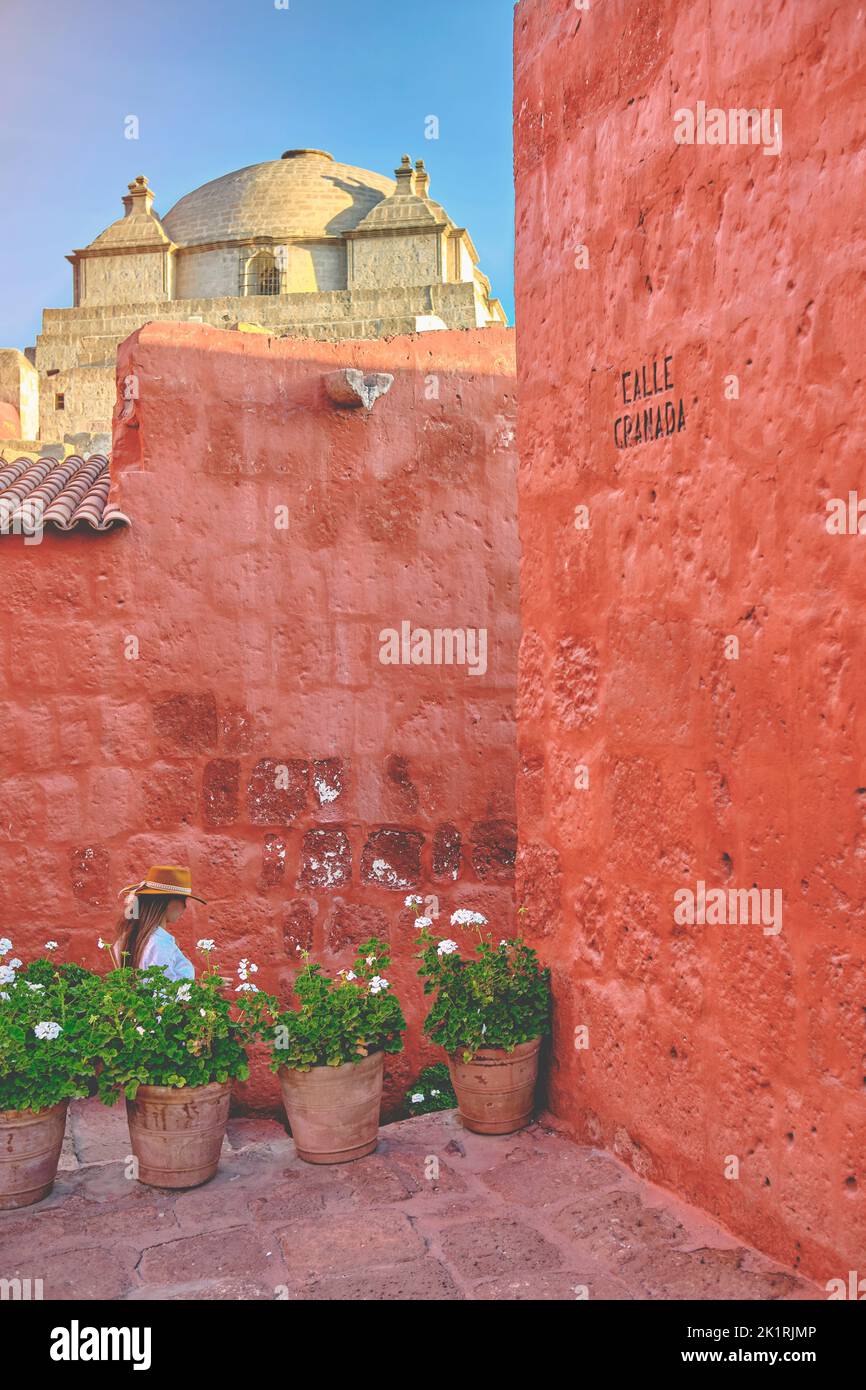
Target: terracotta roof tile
{"x": 67, "y": 492}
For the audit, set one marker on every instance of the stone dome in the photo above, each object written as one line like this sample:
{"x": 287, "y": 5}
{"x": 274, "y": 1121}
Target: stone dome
{"x": 305, "y": 194}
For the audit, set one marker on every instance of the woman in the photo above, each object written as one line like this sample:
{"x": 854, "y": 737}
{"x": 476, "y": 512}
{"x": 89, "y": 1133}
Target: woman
{"x": 159, "y": 900}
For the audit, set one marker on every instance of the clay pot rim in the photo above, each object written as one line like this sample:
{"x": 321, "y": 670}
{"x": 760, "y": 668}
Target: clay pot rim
{"x": 12, "y": 1116}
{"x": 178, "y": 1093}
{"x": 495, "y": 1053}
{"x": 344, "y": 1066}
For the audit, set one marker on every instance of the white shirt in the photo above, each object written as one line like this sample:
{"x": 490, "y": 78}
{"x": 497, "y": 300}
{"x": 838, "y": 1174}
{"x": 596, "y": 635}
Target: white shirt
{"x": 162, "y": 949}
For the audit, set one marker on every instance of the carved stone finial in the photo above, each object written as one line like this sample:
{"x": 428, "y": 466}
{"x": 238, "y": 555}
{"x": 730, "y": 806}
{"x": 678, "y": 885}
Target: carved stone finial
{"x": 404, "y": 175}
{"x": 140, "y": 195}
{"x": 422, "y": 179}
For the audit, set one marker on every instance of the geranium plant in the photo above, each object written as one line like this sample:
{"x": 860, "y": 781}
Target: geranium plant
{"x": 432, "y": 1091}
{"x": 342, "y": 1018}
{"x": 497, "y": 998}
{"x": 161, "y": 1032}
{"x": 49, "y": 1036}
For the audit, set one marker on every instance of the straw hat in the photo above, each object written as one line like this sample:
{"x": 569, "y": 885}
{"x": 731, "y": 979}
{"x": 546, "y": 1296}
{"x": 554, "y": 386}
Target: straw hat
{"x": 164, "y": 878}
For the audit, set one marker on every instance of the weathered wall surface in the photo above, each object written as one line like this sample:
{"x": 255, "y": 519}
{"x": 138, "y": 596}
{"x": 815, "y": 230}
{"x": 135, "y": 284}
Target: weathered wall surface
{"x": 77, "y": 348}
{"x": 154, "y": 681}
{"x": 115, "y": 279}
{"x": 729, "y": 281}
{"x": 384, "y": 262}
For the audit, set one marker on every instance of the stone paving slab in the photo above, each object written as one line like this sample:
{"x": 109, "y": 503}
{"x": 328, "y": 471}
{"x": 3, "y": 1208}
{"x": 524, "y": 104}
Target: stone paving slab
{"x": 435, "y": 1214}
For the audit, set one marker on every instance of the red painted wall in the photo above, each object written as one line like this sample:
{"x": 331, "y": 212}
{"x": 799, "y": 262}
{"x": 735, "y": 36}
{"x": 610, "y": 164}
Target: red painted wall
{"x": 258, "y": 648}
{"x": 705, "y": 1041}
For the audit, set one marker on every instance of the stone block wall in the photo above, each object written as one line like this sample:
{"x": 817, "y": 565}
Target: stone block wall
{"x": 19, "y": 388}
{"x": 694, "y": 651}
{"x": 207, "y": 688}
{"x": 76, "y": 350}
{"x": 214, "y": 272}
{"x": 116, "y": 279}
{"x": 384, "y": 261}
{"x": 87, "y": 400}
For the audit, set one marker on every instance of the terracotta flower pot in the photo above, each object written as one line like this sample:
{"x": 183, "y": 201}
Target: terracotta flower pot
{"x": 177, "y": 1132}
{"x": 495, "y": 1090}
{"x": 30, "y": 1144}
{"x": 334, "y": 1111}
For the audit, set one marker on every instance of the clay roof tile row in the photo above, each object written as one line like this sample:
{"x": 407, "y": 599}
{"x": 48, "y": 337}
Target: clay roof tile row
{"x": 64, "y": 493}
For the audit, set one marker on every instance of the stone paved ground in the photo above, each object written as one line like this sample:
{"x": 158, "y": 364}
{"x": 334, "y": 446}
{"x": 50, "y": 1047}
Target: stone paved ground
{"x": 527, "y": 1216}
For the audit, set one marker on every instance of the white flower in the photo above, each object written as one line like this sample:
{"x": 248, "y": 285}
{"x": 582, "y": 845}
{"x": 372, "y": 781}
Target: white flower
{"x": 5, "y": 945}
{"x": 412, "y": 901}
{"x": 246, "y": 968}
{"x": 248, "y": 989}
{"x": 48, "y": 1031}
{"x": 7, "y": 975}
{"x": 350, "y": 975}
{"x": 51, "y": 946}
{"x": 140, "y": 1030}
{"x": 447, "y": 948}
{"x": 371, "y": 960}
{"x": 423, "y": 922}
{"x": 377, "y": 984}
{"x": 435, "y": 1093}
{"x": 183, "y": 993}
{"x": 418, "y": 1097}
{"x": 37, "y": 989}
{"x": 3, "y": 994}
{"x": 202, "y": 1012}
{"x": 15, "y": 964}
{"x": 464, "y": 918}
{"x": 103, "y": 945}
{"x": 205, "y": 944}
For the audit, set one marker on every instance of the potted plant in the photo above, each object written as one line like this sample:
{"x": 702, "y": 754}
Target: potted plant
{"x": 47, "y": 1050}
{"x": 490, "y": 1014}
{"x": 173, "y": 1047}
{"x": 330, "y": 1055}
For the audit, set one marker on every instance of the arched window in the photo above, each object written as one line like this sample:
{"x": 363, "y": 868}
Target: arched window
{"x": 263, "y": 274}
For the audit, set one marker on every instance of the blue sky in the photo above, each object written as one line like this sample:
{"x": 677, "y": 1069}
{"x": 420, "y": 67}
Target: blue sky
{"x": 218, "y": 84}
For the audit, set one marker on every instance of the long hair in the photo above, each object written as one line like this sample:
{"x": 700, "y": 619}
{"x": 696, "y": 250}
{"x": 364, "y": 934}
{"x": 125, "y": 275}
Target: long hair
{"x": 145, "y": 912}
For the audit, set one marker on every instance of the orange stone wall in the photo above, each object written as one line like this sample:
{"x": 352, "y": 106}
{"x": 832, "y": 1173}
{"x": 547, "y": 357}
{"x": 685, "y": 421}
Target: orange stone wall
{"x": 155, "y": 680}
{"x": 727, "y": 285}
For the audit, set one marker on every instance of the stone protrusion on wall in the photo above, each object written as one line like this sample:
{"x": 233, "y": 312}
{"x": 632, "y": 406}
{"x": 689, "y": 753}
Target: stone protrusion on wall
{"x": 392, "y": 859}
{"x": 447, "y": 842}
{"x": 277, "y": 792}
{"x": 299, "y": 920}
{"x": 494, "y": 847}
{"x": 352, "y": 388}
{"x": 326, "y": 860}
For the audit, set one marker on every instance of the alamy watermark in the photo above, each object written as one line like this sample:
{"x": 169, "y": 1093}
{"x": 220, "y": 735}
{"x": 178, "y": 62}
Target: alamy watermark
{"x": 854, "y": 1288}
{"x": 440, "y": 646}
{"x": 21, "y": 1290}
{"x": 737, "y": 126}
{"x": 77, "y": 1343}
{"x": 729, "y": 907}
{"x": 23, "y": 519}
{"x": 846, "y": 517}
